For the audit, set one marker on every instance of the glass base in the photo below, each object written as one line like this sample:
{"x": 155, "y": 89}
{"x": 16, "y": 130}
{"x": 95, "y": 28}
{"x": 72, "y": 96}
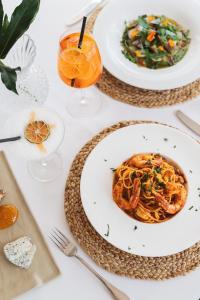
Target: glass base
{"x": 84, "y": 103}
{"x": 45, "y": 170}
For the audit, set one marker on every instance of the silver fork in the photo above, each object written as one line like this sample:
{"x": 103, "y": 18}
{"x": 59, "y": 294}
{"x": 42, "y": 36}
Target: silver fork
{"x": 69, "y": 249}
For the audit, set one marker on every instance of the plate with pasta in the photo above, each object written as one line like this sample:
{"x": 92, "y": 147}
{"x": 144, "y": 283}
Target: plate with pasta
{"x": 140, "y": 189}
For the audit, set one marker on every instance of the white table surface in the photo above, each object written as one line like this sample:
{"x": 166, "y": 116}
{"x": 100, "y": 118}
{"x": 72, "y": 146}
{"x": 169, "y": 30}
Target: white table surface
{"x": 46, "y": 200}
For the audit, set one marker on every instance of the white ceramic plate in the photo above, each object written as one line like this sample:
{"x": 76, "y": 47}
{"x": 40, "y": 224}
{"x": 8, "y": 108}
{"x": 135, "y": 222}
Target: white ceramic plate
{"x": 108, "y": 30}
{"x": 175, "y": 235}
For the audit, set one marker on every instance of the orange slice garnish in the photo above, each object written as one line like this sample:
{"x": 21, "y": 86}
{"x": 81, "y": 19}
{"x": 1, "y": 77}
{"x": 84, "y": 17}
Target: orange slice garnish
{"x": 37, "y": 132}
{"x": 74, "y": 63}
{"x": 8, "y": 215}
{"x": 71, "y": 41}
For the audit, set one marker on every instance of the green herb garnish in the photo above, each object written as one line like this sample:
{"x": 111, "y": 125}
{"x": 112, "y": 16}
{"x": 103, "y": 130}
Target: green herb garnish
{"x": 148, "y": 162}
{"x": 108, "y": 230}
{"x": 157, "y": 169}
{"x": 145, "y": 177}
{"x": 162, "y": 184}
{"x": 133, "y": 175}
{"x": 145, "y": 138}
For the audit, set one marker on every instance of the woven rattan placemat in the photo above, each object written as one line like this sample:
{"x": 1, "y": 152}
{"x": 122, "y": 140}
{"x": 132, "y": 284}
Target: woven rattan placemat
{"x": 123, "y": 92}
{"x": 103, "y": 253}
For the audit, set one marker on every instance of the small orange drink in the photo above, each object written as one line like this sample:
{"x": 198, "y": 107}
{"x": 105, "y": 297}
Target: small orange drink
{"x": 77, "y": 67}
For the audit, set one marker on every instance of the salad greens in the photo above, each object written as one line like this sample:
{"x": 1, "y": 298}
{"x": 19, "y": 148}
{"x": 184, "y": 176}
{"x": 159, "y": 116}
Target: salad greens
{"x": 154, "y": 41}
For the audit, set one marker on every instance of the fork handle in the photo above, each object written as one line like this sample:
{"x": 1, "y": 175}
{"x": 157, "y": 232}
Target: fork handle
{"x": 116, "y": 293}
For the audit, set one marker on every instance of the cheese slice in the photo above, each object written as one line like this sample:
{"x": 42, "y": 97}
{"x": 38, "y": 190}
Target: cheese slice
{"x": 20, "y": 252}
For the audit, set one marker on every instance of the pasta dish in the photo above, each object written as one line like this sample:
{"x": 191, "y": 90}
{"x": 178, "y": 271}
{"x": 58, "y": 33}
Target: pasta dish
{"x": 149, "y": 188}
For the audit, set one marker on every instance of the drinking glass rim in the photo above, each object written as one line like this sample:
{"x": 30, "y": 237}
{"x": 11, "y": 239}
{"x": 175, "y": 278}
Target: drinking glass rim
{"x": 85, "y": 34}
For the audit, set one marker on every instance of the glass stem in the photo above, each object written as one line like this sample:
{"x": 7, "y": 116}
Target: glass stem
{"x": 83, "y": 99}
{"x": 44, "y": 163}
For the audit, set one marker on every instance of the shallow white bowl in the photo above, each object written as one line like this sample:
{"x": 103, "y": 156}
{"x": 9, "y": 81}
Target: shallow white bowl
{"x": 108, "y": 30}
{"x": 175, "y": 235}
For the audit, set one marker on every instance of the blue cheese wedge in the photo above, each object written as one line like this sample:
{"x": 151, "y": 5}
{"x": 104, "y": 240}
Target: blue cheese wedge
{"x": 20, "y": 252}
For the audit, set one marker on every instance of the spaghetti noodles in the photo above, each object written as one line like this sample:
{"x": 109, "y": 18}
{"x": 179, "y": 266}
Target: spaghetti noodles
{"x": 149, "y": 188}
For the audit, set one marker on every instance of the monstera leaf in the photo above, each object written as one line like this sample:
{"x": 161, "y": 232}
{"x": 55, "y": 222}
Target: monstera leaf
{"x": 10, "y": 31}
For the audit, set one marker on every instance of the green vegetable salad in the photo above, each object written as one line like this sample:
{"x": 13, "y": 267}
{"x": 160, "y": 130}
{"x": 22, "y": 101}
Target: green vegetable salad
{"x": 155, "y": 41}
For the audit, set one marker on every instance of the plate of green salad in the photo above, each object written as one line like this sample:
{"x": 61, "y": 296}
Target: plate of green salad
{"x": 155, "y": 42}
{"x": 150, "y": 44}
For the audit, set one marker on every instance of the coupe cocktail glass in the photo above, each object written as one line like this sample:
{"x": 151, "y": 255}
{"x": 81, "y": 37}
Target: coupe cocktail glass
{"x": 42, "y": 131}
{"x": 80, "y": 68}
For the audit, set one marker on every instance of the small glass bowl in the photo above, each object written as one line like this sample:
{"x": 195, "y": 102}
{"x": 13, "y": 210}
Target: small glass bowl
{"x": 32, "y": 82}
{"x": 22, "y": 54}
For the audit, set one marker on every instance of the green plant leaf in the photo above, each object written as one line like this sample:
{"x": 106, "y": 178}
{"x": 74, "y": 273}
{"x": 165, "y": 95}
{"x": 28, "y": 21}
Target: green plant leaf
{"x": 20, "y": 21}
{"x": 1, "y": 16}
{"x": 5, "y": 24}
{"x": 9, "y": 77}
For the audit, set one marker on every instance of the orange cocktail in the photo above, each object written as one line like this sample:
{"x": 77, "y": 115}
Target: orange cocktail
{"x": 79, "y": 68}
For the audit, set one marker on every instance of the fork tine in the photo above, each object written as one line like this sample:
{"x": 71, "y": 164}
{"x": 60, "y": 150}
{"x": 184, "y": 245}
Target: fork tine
{"x": 58, "y": 240}
{"x": 66, "y": 239}
{"x": 60, "y": 237}
{"x": 54, "y": 242}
